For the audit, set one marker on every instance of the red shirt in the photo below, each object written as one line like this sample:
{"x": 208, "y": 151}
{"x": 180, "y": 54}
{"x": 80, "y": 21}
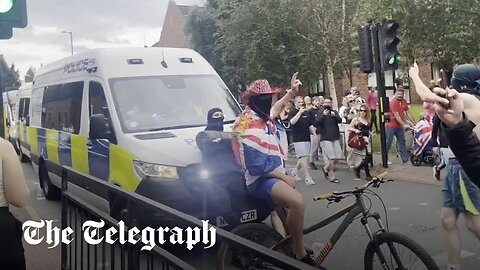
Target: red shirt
{"x": 400, "y": 107}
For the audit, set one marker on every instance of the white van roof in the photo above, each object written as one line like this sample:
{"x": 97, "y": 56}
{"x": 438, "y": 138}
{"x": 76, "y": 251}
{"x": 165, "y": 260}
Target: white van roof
{"x": 25, "y": 90}
{"x": 125, "y": 62}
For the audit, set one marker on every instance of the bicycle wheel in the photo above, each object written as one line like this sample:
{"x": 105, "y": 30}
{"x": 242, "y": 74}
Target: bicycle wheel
{"x": 399, "y": 252}
{"x": 230, "y": 257}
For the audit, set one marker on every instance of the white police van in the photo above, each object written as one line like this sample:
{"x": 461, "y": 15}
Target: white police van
{"x": 128, "y": 116}
{"x": 20, "y": 102}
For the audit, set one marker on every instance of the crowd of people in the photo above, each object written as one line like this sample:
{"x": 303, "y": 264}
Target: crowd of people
{"x": 315, "y": 129}
{"x": 314, "y": 120}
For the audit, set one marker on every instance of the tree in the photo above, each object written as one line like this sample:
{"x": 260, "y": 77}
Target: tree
{"x": 330, "y": 23}
{"x": 10, "y": 75}
{"x": 432, "y": 29}
{"x": 30, "y": 75}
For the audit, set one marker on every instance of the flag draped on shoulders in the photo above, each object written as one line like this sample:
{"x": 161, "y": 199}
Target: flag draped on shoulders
{"x": 257, "y": 145}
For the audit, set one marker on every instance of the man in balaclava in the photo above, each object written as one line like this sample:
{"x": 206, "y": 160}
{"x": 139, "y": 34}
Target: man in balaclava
{"x": 225, "y": 183}
{"x": 460, "y": 194}
{"x": 258, "y": 150}
{"x": 215, "y": 119}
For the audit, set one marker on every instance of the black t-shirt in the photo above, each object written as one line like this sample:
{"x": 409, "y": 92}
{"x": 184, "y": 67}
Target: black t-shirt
{"x": 301, "y": 129}
{"x": 314, "y": 114}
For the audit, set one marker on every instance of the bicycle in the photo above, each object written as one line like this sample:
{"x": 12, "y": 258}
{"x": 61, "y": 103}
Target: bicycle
{"x": 384, "y": 249}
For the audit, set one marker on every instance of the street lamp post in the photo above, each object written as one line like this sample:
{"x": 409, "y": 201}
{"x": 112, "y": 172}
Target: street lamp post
{"x": 71, "y": 39}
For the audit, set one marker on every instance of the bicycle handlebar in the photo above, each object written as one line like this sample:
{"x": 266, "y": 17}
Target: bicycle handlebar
{"x": 376, "y": 181}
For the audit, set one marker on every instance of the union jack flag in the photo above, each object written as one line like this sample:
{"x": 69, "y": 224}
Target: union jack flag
{"x": 423, "y": 134}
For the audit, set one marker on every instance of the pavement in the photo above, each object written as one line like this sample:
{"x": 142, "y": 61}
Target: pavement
{"x": 41, "y": 257}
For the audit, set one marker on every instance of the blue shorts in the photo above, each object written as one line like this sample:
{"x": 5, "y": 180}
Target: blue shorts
{"x": 458, "y": 190}
{"x": 262, "y": 189}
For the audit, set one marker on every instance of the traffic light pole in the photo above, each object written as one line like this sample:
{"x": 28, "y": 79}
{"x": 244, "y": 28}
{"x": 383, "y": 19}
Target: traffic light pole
{"x": 381, "y": 93}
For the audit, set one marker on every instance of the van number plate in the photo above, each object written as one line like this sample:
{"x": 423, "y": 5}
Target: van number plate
{"x": 249, "y": 215}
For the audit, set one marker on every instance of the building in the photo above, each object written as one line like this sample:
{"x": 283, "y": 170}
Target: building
{"x": 173, "y": 34}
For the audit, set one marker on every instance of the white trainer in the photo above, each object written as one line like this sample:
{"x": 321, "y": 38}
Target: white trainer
{"x": 294, "y": 173}
{"x": 309, "y": 181}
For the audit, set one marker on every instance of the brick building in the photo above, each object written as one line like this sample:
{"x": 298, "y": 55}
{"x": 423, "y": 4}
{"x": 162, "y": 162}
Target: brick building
{"x": 173, "y": 34}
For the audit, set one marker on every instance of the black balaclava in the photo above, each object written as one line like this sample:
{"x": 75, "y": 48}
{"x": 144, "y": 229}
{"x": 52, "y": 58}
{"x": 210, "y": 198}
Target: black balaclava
{"x": 261, "y": 104}
{"x": 214, "y": 123}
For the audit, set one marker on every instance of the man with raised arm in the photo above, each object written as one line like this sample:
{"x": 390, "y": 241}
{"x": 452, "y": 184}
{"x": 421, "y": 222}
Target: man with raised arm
{"x": 460, "y": 195}
{"x": 259, "y": 151}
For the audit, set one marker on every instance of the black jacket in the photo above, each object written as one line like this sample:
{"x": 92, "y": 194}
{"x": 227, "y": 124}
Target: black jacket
{"x": 438, "y": 133}
{"x": 217, "y": 154}
{"x": 328, "y": 126}
{"x": 466, "y": 147}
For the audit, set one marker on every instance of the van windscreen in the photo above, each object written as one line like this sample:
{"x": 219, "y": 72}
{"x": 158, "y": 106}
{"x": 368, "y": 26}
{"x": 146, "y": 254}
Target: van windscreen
{"x": 168, "y": 102}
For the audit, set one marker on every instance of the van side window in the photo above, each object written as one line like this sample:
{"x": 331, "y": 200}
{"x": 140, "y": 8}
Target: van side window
{"x": 97, "y": 100}
{"x": 23, "y": 108}
{"x": 62, "y": 107}
{"x": 20, "y": 109}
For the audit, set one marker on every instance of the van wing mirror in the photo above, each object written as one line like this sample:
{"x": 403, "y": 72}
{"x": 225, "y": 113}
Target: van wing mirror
{"x": 27, "y": 120}
{"x": 99, "y": 128}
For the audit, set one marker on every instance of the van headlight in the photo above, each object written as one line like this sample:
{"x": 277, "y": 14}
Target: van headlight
{"x": 152, "y": 170}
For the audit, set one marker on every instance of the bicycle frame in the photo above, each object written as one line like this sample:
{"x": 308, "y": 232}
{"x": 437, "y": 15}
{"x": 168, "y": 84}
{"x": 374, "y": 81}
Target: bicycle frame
{"x": 352, "y": 211}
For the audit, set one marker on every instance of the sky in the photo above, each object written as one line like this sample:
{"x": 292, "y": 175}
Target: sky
{"x": 94, "y": 24}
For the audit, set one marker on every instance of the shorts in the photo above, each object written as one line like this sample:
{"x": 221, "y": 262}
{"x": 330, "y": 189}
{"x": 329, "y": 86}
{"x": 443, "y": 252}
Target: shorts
{"x": 459, "y": 192}
{"x": 302, "y": 149}
{"x": 331, "y": 150}
{"x": 262, "y": 189}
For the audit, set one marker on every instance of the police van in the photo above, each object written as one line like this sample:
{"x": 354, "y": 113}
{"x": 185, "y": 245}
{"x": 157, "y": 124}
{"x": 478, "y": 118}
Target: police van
{"x": 7, "y": 117}
{"x": 128, "y": 116}
{"x": 20, "y": 101}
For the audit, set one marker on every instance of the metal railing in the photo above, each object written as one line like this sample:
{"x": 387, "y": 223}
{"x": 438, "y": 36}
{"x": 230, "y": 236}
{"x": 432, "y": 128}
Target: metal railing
{"x": 78, "y": 254}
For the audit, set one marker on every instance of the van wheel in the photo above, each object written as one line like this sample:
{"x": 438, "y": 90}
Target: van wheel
{"x": 50, "y": 191}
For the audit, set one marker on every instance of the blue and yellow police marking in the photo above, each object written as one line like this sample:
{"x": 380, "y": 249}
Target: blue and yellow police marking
{"x": 64, "y": 149}
{"x": 42, "y": 143}
{"x": 33, "y": 140}
{"x": 79, "y": 153}
{"x": 103, "y": 160}
{"x": 52, "y": 146}
{"x": 121, "y": 168}
{"x": 99, "y": 159}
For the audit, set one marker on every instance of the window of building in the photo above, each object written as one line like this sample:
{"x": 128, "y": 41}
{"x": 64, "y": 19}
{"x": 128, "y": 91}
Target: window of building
{"x": 62, "y": 107}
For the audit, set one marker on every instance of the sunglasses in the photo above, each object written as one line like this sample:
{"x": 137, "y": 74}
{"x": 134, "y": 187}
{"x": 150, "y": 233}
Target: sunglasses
{"x": 363, "y": 110}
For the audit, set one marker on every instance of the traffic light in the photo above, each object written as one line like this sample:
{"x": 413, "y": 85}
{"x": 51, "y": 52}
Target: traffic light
{"x": 389, "y": 40}
{"x": 13, "y": 14}
{"x": 364, "y": 49}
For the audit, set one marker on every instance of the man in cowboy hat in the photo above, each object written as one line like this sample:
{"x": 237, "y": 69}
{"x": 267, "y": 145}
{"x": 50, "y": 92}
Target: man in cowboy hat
{"x": 260, "y": 153}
